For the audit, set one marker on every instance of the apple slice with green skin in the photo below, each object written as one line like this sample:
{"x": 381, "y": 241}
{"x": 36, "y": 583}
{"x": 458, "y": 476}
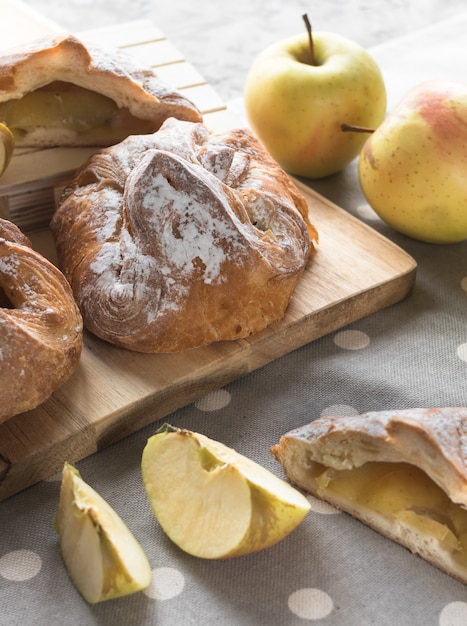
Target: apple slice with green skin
{"x": 102, "y": 556}
{"x": 213, "y": 502}
{"x": 7, "y": 145}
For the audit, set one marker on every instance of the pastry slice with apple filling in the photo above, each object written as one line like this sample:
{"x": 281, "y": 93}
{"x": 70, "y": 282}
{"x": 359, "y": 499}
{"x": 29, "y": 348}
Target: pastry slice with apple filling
{"x": 403, "y": 473}
{"x": 61, "y": 91}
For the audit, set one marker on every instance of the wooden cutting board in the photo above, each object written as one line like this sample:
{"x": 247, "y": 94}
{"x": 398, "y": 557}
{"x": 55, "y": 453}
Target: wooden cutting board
{"x": 115, "y": 392}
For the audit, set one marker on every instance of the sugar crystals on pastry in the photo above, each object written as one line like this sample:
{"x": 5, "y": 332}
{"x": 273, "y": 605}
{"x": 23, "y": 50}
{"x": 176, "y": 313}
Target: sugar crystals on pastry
{"x": 182, "y": 238}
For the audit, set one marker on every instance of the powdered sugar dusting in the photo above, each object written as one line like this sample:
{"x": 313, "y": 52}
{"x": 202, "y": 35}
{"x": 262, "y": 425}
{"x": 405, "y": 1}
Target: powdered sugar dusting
{"x": 109, "y": 225}
{"x": 175, "y": 215}
{"x": 9, "y": 265}
{"x": 122, "y": 281}
{"x": 28, "y": 283}
{"x": 171, "y": 223}
{"x": 194, "y": 239}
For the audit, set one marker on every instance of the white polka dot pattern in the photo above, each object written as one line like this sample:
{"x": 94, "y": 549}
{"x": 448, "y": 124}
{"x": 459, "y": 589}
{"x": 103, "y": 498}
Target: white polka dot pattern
{"x": 351, "y": 339}
{"x": 214, "y": 401}
{"x": 166, "y": 583}
{"x": 454, "y": 614}
{"x": 310, "y": 604}
{"x": 20, "y": 565}
{"x": 331, "y": 570}
{"x": 462, "y": 351}
{"x": 338, "y": 409}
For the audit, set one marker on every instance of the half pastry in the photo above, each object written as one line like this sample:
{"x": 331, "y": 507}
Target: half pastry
{"x": 403, "y": 473}
{"x": 182, "y": 238}
{"x": 63, "y": 92}
{"x": 40, "y": 325}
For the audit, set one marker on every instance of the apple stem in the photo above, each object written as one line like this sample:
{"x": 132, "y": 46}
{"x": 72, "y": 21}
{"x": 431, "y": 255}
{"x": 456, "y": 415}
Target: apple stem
{"x": 356, "y": 129}
{"x": 310, "y": 39}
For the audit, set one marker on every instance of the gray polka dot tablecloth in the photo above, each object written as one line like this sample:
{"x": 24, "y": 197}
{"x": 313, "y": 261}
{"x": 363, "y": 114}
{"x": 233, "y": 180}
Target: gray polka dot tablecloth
{"x": 331, "y": 570}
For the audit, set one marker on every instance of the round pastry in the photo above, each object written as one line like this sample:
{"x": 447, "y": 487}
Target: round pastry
{"x": 182, "y": 238}
{"x": 40, "y": 325}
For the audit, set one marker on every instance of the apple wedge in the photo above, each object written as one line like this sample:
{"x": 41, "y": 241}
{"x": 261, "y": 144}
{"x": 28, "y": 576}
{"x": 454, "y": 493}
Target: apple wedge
{"x": 103, "y": 558}
{"x": 213, "y": 502}
{"x": 7, "y": 145}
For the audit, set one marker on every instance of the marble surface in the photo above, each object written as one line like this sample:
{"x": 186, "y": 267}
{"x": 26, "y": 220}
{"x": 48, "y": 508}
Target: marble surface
{"x": 221, "y": 38}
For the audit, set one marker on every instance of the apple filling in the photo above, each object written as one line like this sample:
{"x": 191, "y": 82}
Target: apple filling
{"x": 65, "y": 106}
{"x": 402, "y": 492}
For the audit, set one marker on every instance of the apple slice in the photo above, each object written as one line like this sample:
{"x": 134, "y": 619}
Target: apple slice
{"x": 213, "y": 502}
{"x": 102, "y": 556}
{"x": 7, "y": 145}
{"x": 429, "y": 526}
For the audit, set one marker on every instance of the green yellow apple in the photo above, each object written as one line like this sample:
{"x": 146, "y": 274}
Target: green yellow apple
{"x": 297, "y": 96}
{"x": 412, "y": 168}
{"x": 102, "y": 556}
{"x": 213, "y": 502}
{"x": 7, "y": 145}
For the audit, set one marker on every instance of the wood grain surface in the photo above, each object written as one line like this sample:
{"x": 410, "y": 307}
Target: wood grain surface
{"x": 114, "y": 392}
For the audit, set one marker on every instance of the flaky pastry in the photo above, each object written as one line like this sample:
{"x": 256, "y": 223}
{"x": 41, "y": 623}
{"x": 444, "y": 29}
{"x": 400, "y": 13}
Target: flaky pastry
{"x": 40, "y": 325}
{"x": 182, "y": 238}
{"x": 61, "y": 91}
{"x": 403, "y": 473}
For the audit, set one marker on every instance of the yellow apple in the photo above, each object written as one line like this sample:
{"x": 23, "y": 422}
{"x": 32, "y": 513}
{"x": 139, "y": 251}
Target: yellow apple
{"x": 430, "y": 526}
{"x": 214, "y": 502}
{"x": 102, "y": 556}
{"x": 297, "y": 97}
{"x": 7, "y": 145}
{"x": 412, "y": 168}
{"x": 395, "y": 487}
{"x": 62, "y": 106}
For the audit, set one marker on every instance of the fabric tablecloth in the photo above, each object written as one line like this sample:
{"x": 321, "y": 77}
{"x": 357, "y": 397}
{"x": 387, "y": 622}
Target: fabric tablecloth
{"x": 332, "y": 569}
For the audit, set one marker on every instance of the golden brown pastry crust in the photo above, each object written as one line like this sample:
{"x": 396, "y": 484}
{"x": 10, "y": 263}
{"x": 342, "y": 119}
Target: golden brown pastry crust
{"x": 433, "y": 439}
{"x": 182, "y": 238}
{"x": 40, "y": 325}
{"x": 64, "y": 58}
